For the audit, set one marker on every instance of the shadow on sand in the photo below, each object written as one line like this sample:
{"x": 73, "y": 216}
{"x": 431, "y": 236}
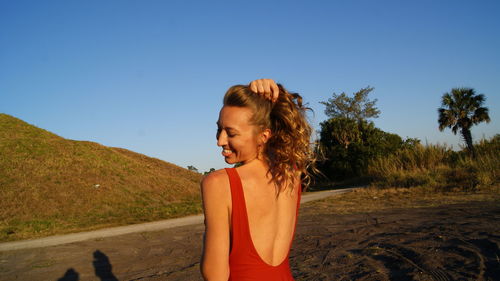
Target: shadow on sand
{"x": 102, "y": 268}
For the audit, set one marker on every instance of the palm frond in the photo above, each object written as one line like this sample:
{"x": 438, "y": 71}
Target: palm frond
{"x": 460, "y": 109}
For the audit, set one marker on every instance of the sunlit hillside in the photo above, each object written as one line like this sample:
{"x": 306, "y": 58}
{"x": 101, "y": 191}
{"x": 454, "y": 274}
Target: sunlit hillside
{"x": 49, "y": 184}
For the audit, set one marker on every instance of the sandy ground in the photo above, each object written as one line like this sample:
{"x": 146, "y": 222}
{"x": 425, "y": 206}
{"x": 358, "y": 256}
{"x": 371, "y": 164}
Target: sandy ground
{"x": 452, "y": 242}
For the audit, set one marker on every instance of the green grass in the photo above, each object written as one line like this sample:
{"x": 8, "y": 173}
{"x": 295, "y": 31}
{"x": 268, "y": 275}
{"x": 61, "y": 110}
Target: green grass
{"x": 51, "y": 185}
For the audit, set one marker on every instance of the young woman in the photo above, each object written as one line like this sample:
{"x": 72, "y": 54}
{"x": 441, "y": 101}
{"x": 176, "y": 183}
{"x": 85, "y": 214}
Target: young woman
{"x": 251, "y": 211}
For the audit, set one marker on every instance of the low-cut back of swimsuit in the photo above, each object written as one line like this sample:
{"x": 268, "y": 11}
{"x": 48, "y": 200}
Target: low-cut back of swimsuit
{"x": 244, "y": 262}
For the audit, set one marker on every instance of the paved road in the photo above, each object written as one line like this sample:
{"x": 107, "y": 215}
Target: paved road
{"x": 135, "y": 228}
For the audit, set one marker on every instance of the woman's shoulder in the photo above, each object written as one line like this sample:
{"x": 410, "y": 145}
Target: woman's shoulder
{"x": 216, "y": 181}
{"x": 215, "y": 177}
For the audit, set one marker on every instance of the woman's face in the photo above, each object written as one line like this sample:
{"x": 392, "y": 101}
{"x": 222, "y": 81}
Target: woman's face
{"x": 236, "y": 135}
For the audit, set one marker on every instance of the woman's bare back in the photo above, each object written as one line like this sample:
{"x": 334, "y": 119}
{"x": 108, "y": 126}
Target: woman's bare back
{"x": 271, "y": 218}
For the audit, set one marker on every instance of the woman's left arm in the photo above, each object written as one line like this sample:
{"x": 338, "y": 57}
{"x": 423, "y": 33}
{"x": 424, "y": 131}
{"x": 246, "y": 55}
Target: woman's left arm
{"x": 216, "y": 195}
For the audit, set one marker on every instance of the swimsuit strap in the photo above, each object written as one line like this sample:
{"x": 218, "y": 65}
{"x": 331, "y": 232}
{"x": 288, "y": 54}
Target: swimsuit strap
{"x": 239, "y": 218}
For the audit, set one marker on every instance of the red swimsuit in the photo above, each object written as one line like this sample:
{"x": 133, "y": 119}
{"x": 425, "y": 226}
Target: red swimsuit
{"x": 244, "y": 262}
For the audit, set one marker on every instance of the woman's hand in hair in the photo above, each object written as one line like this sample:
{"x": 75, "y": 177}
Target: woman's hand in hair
{"x": 266, "y": 87}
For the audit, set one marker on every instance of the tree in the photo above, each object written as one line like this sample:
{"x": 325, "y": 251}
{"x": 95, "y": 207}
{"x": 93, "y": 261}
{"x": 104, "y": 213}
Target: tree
{"x": 359, "y": 107}
{"x": 348, "y": 140}
{"x": 192, "y": 168}
{"x": 348, "y": 146}
{"x": 461, "y": 109}
{"x": 209, "y": 171}
{"x": 339, "y": 130}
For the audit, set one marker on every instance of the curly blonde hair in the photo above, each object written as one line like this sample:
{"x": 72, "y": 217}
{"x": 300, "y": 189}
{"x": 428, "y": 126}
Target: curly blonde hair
{"x": 288, "y": 151}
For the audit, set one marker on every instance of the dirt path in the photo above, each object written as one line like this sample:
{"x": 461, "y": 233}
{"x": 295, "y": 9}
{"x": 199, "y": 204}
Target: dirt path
{"x": 135, "y": 228}
{"x": 453, "y": 242}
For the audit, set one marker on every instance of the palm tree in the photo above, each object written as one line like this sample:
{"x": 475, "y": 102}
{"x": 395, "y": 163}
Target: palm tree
{"x": 461, "y": 109}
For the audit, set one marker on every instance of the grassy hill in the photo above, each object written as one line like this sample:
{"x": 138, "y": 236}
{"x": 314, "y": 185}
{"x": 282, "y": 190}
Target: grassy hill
{"x": 51, "y": 185}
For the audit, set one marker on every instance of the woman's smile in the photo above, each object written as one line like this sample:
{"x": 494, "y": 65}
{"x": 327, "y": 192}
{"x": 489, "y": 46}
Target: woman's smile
{"x": 227, "y": 152}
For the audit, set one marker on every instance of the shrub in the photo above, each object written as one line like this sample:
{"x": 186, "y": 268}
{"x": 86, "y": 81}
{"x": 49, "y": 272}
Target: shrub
{"x": 439, "y": 167}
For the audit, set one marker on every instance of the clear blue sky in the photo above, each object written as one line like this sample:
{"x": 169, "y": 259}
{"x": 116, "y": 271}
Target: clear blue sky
{"x": 149, "y": 76}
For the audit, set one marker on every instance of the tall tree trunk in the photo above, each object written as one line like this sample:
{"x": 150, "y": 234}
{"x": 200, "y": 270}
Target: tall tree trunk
{"x": 466, "y": 134}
